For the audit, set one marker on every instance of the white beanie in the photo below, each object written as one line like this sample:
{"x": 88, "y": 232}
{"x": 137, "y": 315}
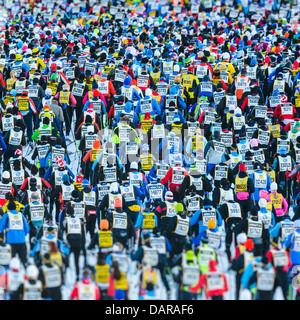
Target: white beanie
{"x": 242, "y": 237}
{"x": 48, "y": 91}
{"x": 169, "y": 195}
{"x": 273, "y": 186}
{"x": 238, "y": 110}
{"x": 262, "y": 203}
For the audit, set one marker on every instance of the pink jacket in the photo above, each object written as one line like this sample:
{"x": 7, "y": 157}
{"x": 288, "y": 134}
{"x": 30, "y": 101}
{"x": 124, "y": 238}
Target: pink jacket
{"x": 280, "y": 211}
{"x": 101, "y": 96}
{"x": 72, "y": 99}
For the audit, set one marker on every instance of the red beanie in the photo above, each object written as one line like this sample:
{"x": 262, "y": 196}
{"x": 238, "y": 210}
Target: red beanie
{"x": 242, "y": 167}
{"x": 249, "y": 245}
{"x": 213, "y": 264}
{"x": 96, "y": 93}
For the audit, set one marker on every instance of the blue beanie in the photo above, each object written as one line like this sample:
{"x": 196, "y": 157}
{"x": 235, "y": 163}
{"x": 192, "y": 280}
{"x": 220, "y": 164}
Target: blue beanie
{"x": 65, "y": 178}
{"x": 85, "y": 183}
{"x": 127, "y": 82}
{"x": 128, "y": 106}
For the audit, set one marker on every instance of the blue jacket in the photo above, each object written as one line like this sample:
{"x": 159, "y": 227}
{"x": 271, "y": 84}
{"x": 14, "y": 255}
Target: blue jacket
{"x": 289, "y": 245}
{"x": 182, "y": 120}
{"x": 49, "y": 173}
{"x": 155, "y": 107}
{"x": 196, "y": 240}
{"x": 255, "y": 195}
{"x": 99, "y": 157}
{"x": 140, "y": 219}
{"x": 62, "y": 248}
{"x": 135, "y": 119}
{"x": 14, "y": 236}
{"x": 180, "y": 101}
{"x": 248, "y": 273}
{"x": 3, "y": 145}
{"x": 195, "y": 218}
{"x": 135, "y": 95}
{"x": 275, "y": 232}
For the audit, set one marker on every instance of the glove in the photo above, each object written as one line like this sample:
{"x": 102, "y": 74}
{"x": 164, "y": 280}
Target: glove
{"x": 253, "y": 290}
{"x": 33, "y": 240}
{"x": 232, "y": 227}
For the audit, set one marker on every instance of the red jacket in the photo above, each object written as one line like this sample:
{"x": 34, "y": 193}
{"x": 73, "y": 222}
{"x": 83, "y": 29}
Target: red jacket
{"x": 45, "y": 184}
{"x": 278, "y": 113}
{"x": 284, "y": 268}
{"x": 202, "y": 283}
{"x": 168, "y": 178}
{"x": 287, "y": 128}
{"x": 74, "y": 293}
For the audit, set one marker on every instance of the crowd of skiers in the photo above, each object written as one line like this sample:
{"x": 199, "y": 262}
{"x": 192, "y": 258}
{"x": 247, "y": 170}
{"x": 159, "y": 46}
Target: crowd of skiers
{"x": 161, "y": 138}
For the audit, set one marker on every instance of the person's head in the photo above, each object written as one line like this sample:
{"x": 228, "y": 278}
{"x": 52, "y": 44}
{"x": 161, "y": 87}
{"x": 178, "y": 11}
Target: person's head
{"x": 254, "y": 212}
{"x": 5, "y": 176}
{"x": 32, "y": 272}
{"x": 213, "y": 264}
{"x": 224, "y": 182}
{"x": 65, "y": 178}
{"x": 14, "y": 264}
{"x": 242, "y": 167}
{"x": 204, "y": 240}
{"x": 86, "y": 274}
{"x": 169, "y": 196}
{"x": 11, "y": 206}
{"x": 273, "y": 186}
{"x": 104, "y": 225}
{"x": 241, "y": 238}
{"x": 134, "y": 165}
{"x": 179, "y": 208}
{"x": 115, "y": 270}
{"x": 46, "y": 121}
{"x": 249, "y": 245}
{"x": 118, "y": 204}
{"x": 262, "y": 203}
{"x": 211, "y": 224}
{"x": 34, "y": 170}
{"x": 70, "y": 211}
{"x": 75, "y": 194}
{"x": 192, "y": 190}
{"x": 146, "y": 239}
{"x": 18, "y": 123}
{"x": 58, "y": 141}
{"x": 46, "y": 259}
{"x": 52, "y": 247}
{"x": 35, "y": 197}
{"x": 207, "y": 202}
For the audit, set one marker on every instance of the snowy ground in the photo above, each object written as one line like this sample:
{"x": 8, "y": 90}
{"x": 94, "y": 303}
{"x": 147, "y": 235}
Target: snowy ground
{"x": 134, "y": 274}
